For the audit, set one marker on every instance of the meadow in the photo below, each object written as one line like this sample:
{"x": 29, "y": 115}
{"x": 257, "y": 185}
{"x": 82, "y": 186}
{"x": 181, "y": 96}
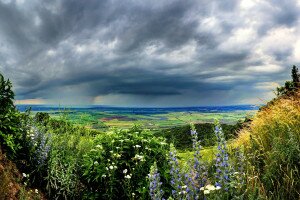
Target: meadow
{"x": 155, "y": 121}
{"x": 148, "y": 118}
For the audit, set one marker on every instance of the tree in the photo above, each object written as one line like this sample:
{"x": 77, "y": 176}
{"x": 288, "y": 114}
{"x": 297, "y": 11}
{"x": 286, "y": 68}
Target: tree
{"x": 290, "y": 86}
{"x": 10, "y": 119}
{"x": 6, "y": 95}
{"x": 295, "y": 76}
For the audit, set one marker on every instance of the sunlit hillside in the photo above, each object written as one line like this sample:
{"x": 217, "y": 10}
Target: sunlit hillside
{"x": 273, "y": 139}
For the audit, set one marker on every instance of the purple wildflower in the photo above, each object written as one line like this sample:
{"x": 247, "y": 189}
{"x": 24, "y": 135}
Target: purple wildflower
{"x": 222, "y": 165}
{"x": 156, "y": 192}
{"x": 176, "y": 177}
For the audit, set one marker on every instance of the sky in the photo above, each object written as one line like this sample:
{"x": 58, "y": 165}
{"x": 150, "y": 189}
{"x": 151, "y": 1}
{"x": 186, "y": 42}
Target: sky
{"x": 148, "y": 53}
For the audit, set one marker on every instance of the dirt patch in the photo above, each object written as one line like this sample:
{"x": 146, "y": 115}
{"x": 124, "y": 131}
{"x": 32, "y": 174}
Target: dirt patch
{"x": 11, "y": 187}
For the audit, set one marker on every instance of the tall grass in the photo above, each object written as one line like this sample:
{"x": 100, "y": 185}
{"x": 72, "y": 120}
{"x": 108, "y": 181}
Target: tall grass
{"x": 273, "y": 144}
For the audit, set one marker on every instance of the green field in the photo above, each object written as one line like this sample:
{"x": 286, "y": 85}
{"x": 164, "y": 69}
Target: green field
{"x": 105, "y": 120}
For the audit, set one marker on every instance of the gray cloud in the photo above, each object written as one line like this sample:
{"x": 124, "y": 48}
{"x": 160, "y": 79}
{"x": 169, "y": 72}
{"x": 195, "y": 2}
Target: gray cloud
{"x": 148, "y": 53}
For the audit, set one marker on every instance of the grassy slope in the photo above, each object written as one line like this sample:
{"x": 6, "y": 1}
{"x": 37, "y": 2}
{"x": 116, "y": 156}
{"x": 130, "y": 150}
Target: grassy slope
{"x": 275, "y": 120}
{"x": 273, "y": 141}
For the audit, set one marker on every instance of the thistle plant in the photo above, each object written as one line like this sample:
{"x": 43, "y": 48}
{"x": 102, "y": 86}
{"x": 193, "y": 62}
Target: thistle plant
{"x": 40, "y": 143}
{"x": 156, "y": 193}
{"x": 199, "y": 167}
{"x": 176, "y": 177}
{"x": 222, "y": 174}
{"x": 190, "y": 187}
{"x": 238, "y": 181}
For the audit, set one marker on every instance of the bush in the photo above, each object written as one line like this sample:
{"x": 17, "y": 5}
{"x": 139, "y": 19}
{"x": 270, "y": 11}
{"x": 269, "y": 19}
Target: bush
{"x": 12, "y": 122}
{"x": 118, "y": 164}
{"x": 73, "y": 162}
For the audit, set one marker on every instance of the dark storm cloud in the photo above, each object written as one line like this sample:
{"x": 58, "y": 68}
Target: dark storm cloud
{"x": 286, "y": 12}
{"x": 147, "y": 52}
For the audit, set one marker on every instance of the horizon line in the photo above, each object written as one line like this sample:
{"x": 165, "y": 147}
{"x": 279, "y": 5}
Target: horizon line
{"x": 115, "y": 106}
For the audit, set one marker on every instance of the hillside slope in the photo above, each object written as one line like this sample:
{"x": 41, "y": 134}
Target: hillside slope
{"x": 273, "y": 141}
{"x": 12, "y": 182}
{"x": 9, "y": 188}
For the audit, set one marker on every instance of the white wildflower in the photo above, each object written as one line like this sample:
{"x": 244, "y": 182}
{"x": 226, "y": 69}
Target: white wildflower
{"x": 210, "y": 187}
{"x": 117, "y": 155}
{"x": 128, "y": 176}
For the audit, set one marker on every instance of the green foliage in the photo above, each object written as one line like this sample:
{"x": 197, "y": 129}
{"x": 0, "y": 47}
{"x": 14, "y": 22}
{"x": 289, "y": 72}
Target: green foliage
{"x": 118, "y": 164}
{"x": 6, "y": 95}
{"x": 62, "y": 175}
{"x": 279, "y": 167}
{"x": 68, "y": 144}
{"x": 181, "y": 136}
{"x": 88, "y": 164}
{"x": 42, "y": 117}
{"x": 290, "y": 86}
{"x": 295, "y": 74}
{"x": 273, "y": 149}
{"x": 11, "y": 121}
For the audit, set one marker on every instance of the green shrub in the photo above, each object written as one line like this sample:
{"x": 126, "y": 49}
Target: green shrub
{"x": 12, "y": 122}
{"x": 118, "y": 164}
{"x": 42, "y": 117}
{"x": 63, "y": 167}
{"x": 88, "y": 164}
